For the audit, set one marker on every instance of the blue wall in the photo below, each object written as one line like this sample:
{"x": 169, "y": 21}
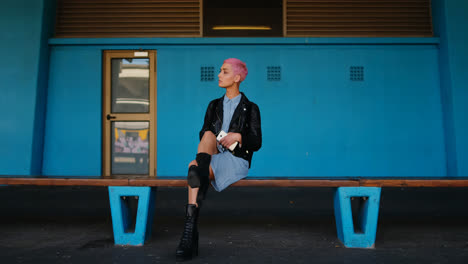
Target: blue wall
{"x": 73, "y": 125}
{"x": 405, "y": 119}
{"x": 450, "y": 23}
{"x": 25, "y": 25}
{"x": 316, "y": 122}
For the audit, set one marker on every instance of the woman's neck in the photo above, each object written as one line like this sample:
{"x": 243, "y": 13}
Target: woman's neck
{"x": 232, "y": 92}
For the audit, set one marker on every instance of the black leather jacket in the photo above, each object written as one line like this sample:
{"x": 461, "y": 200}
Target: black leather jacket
{"x": 245, "y": 120}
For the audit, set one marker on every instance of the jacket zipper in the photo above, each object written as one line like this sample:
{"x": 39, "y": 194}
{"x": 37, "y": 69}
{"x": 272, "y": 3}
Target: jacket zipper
{"x": 216, "y": 110}
{"x": 218, "y": 116}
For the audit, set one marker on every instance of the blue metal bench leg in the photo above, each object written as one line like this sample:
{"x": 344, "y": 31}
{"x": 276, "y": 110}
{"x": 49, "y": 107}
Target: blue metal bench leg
{"x": 121, "y": 215}
{"x": 368, "y": 216}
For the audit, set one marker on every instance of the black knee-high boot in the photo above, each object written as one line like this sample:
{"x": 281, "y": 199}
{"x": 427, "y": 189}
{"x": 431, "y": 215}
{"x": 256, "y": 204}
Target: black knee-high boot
{"x": 188, "y": 245}
{"x": 203, "y": 160}
{"x": 199, "y": 176}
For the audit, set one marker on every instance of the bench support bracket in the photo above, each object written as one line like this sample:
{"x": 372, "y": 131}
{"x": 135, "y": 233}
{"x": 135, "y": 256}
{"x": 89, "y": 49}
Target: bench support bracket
{"x": 366, "y": 218}
{"x": 121, "y": 216}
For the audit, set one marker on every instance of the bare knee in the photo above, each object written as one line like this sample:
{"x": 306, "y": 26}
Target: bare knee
{"x": 193, "y": 162}
{"x": 208, "y": 143}
{"x": 208, "y": 135}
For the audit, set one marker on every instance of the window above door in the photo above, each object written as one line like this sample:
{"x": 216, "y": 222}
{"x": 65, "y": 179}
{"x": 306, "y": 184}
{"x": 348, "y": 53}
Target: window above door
{"x": 243, "y": 18}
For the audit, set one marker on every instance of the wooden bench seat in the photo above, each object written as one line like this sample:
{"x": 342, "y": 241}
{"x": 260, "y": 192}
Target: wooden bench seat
{"x": 414, "y": 182}
{"x": 144, "y": 188}
{"x": 169, "y": 181}
{"x": 251, "y": 181}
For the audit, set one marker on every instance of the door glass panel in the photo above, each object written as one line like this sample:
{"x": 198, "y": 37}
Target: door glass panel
{"x": 130, "y": 82}
{"x": 130, "y": 148}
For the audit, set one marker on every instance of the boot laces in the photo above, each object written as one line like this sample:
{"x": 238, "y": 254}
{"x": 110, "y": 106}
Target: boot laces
{"x": 188, "y": 231}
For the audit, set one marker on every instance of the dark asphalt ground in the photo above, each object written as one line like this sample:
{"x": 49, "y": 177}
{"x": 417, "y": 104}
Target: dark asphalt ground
{"x": 239, "y": 225}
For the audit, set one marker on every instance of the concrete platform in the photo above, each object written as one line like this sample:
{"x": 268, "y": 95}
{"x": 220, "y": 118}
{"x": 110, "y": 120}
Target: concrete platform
{"x": 239, "y": 225}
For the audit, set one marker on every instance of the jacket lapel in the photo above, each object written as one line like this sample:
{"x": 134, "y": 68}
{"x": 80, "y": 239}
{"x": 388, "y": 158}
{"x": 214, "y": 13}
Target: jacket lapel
{"x": 219, "y": 109}
{"x": 240, "y": 107}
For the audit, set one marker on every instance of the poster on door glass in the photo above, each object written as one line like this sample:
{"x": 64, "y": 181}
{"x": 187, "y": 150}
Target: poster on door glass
{"x": 130, "y": 147}
{"x": 131, "y": 140}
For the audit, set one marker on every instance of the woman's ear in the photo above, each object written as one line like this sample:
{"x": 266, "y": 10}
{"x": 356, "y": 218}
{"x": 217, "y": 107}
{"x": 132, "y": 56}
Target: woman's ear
{"x": 237, "y": 78}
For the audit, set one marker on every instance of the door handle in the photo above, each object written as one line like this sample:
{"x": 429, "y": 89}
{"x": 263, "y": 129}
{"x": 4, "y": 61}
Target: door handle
{"x": 109, "y": 117}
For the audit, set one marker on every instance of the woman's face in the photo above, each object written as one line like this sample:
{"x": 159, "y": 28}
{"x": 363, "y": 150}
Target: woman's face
{"x": 226, "y": 76}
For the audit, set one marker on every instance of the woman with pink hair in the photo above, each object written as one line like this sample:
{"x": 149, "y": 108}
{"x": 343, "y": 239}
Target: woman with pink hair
{"x": 230, "y": 134}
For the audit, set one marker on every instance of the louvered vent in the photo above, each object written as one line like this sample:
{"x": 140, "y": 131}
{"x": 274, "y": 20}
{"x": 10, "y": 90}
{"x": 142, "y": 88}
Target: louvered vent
{"x": 128, "y": 18}
{"x": 358, "y": 18}
{"x": 207, "y": 74}
{"x": 274, "y": 73}
{"x": 356, "y": 73}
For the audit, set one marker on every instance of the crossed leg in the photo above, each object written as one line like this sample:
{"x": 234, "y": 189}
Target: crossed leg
{"x": 206, "y": 145}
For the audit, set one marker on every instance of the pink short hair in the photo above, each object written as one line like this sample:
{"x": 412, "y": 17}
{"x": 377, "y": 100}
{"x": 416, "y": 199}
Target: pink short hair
{"x": 238, "y": 67}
